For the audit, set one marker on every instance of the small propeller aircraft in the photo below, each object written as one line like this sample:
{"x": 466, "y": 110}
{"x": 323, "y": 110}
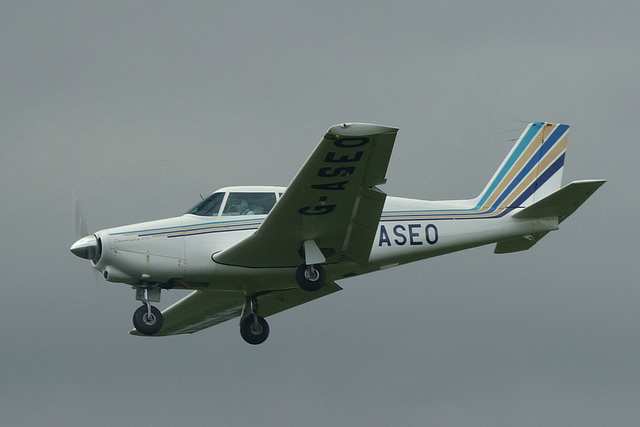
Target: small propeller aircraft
{"x": 251, "y": 252}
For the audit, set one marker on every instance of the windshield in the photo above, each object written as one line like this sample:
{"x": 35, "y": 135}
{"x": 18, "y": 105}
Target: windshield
{"x": 209, "y": 206}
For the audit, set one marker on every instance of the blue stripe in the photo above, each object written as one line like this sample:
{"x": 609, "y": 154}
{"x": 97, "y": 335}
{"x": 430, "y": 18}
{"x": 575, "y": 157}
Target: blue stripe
{"x": 248, "y": 224}
{"x": 188, "y": 234}
{"x": 211, "y": 228}
{"x": 524, "y": 143}
{"x": 542, "y": 151}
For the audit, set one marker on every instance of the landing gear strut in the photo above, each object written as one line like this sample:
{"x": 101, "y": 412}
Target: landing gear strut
{"x": 253, "y": 328}
{"x": 310, "y": 277}
{"x": 147, "y": 319}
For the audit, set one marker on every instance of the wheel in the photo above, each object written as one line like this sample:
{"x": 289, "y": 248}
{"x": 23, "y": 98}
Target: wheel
{"x": 254, "y": 332}
{"x": 310, "y": 277}
{"x": 145, "y": 324}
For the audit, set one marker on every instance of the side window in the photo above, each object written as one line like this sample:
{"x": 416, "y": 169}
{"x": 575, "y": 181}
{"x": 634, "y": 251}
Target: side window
{"x": 249, "y": 203}
{"x": 209, "y": 206}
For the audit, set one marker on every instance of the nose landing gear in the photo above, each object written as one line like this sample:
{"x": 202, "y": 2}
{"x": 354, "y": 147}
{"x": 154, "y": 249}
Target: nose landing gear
{"x": 147, "y": 319}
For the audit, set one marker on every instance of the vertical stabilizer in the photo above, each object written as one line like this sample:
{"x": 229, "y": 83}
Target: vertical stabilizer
{"x": 532, "y": 169}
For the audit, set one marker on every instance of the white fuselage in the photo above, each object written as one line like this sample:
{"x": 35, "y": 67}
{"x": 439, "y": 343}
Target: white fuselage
{"x": 178, "y": 251}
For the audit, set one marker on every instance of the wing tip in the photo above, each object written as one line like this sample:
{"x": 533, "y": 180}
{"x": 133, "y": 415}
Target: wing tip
{"x": 357, "y": 129}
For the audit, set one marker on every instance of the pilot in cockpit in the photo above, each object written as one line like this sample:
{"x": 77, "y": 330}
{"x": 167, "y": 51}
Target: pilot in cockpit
{"x": 245, "y": 209}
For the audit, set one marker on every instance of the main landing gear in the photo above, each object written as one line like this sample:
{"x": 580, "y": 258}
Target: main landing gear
{"x": 310, "y": 277}
{"x": 147, "y": 319}
{"x": 253, "y": 328}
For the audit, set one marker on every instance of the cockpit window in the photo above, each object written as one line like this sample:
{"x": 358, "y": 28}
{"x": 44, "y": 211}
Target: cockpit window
{"x": 209, "y": 206}
{"x": 249, "y": 203}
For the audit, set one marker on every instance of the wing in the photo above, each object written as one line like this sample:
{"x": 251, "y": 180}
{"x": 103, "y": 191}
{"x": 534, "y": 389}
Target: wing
{"x": 332, "y": 204}
{"x": 202, "y": 309}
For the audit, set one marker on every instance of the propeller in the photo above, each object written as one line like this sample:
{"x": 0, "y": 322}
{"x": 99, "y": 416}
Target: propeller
{"x": 79, "y": 221}
{"x": 87, "y": 245}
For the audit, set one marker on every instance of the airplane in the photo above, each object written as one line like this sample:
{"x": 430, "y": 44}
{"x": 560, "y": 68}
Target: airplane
{"x": 251, "y": 252}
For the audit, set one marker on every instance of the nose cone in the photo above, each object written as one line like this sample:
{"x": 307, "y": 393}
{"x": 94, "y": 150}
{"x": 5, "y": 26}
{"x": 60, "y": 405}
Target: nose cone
{"x": 86, "y": 248}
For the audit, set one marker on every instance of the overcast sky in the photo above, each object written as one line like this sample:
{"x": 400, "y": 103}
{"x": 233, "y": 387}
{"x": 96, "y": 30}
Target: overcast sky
{"x": 141, "y": 106}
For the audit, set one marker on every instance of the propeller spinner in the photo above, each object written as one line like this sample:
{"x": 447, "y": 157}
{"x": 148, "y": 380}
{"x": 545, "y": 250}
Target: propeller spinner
{"x": 89, "y": 247}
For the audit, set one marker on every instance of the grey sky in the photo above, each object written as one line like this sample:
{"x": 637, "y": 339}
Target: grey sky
{"x": 141, "y": 106}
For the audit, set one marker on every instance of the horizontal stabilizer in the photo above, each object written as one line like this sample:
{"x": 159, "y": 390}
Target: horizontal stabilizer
{"x": 563, "y": 202}
{"x": 559, "y": 204}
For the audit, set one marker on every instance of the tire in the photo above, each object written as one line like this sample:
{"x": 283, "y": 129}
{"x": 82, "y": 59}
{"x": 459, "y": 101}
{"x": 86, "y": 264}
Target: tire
{"x": 310, "y": 278}
{"x": 252, "y": 332}
{"x": 147, "y": 325}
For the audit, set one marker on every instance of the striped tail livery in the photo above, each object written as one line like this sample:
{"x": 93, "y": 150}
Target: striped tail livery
{"x": 531, "y": 171}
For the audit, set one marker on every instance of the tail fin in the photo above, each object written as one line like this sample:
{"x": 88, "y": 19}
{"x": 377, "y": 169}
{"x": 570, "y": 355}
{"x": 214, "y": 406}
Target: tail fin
{"x": 532, "y": 169}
